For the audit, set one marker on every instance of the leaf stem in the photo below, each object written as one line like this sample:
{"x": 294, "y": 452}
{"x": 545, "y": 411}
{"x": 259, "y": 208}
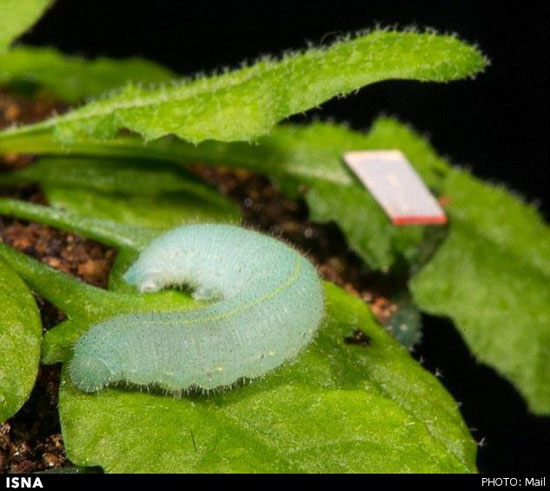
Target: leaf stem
{"x": 110, "y": 233}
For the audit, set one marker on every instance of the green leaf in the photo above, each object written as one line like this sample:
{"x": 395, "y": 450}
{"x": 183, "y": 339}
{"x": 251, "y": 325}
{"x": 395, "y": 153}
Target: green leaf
{"x": 109, "y": 232}
{"x": 491, "y": 276}
{"x": 160, "y": 212}
{"x": 73, "y": 78}
{"x": 247, "y": 103}
{"x": 130, "y": 193}
{"x": 339, "y": 408}
{"x": 17, "y": 16}
{"x": 137, "y": 176}
{"x": 20, "y": 334}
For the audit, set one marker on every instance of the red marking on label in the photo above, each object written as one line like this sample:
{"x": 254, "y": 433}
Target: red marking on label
{"x": 396, "y": 186}
{"x": 419, "y": 220}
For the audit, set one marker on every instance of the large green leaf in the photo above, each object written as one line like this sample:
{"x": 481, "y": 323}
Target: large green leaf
{"x": 16, "y": 16}
{"x": 107, "y": 231}
{"x": 130, "y": 193}
{"x": 20, "y": 334}
{"x": 247, "y": 103}
{"x": 136, "y": 176}
{"x": 73, "y": 78}
{"x": 492, "y": 277}
{"x": 339, "y": 408}
{"x": 160, "y": 212}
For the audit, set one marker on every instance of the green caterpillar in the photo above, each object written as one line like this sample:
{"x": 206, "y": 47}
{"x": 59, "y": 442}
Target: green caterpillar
{"x": 269, "y": 305}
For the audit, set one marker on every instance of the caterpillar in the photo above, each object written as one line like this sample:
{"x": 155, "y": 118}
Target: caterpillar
{"x": 267, "y": 304}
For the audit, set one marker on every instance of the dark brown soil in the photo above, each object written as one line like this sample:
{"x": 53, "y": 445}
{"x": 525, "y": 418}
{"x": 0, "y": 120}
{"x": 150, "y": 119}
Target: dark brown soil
{"x": 31, "y": 440}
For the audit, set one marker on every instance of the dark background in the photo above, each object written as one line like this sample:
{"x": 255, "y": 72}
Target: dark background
{"x": 497, "y": 125}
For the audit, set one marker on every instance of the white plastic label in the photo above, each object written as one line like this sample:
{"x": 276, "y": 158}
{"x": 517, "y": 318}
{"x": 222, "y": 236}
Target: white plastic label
{"x": 399, "y": 190}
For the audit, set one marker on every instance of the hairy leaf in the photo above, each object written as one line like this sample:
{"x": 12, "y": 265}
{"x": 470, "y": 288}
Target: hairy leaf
{"x": 73, "y": 78}
{"x": 109, "y": 232}
{"x": 136, "y": 176}
{"x": 16, "y": 16}
{"x": 340, "y": 408}
{"x": 20, "y": 334}
{"x": 130, "y": 193}
{"x": 491, "y": 277}
{"x": 246, "y": 103}
{"x": 158, "y": 212}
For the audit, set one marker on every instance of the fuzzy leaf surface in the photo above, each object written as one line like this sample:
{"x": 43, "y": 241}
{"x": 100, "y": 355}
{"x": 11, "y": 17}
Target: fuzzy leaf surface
{"x": 242, "y": 105}
{"x": 491, "y": 277}
{"x": 20, "y": 335}
{"x": 132, "y": 193}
